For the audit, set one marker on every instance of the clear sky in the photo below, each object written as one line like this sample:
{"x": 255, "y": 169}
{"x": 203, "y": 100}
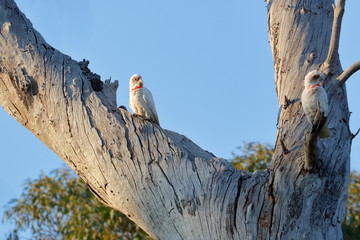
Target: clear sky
{"x": 207, "y": 63}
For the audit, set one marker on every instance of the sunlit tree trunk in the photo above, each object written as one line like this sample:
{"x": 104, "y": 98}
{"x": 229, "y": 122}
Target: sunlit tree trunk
{"x": 163, "y": 181}
{"x": 309, "y": 200}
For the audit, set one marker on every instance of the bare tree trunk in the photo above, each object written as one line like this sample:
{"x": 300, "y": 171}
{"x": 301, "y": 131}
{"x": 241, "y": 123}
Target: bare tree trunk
{"x": 162, "y": 180}
{"x": 308, "y": 204}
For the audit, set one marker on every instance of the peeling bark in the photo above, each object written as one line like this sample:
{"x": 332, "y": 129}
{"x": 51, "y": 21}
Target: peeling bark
{"x": 160, "y": 179}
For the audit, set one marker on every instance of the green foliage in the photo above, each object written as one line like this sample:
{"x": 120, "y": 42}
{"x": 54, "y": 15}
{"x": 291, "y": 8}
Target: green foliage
{"x": 351, "y": 225}
{"x": 255, "y": 156}
{"x": 60, "y": 206}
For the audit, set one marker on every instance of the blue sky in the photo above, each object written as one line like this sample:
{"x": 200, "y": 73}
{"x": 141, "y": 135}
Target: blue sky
{"x": 207, "y": 63}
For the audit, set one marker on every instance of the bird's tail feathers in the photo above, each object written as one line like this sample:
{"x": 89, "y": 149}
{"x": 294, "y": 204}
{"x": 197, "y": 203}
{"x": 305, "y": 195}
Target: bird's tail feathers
{"x": 325, "y": 132}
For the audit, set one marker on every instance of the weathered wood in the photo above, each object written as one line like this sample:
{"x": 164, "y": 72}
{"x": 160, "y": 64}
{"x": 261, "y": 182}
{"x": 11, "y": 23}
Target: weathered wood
{"x": 162, "y": 180}
{"x": 307, "y": 205}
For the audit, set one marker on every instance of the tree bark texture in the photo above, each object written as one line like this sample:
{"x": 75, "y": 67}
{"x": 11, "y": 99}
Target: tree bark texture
{"x": 160, "y": 179}
{"x": 308, "y": 205}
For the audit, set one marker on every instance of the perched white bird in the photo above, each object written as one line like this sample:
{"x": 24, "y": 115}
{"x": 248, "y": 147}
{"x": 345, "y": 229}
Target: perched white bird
{"x": 313, "y": 95}
{"x": 141, "y": 100}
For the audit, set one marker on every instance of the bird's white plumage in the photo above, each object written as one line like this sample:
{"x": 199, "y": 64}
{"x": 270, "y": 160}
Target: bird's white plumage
{"x": 313, "y": 95}
{"x": 141, "y": 100}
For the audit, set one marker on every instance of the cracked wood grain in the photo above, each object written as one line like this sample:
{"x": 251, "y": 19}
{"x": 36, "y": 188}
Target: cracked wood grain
{"x": 300, "y": 43}
{"x": 160, "y": 179}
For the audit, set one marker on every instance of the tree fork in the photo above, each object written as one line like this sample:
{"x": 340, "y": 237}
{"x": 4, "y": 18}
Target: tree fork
{"x": 160, "y": 179}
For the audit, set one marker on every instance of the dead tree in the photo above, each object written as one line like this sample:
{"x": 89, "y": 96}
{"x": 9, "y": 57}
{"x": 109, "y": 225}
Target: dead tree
{"x": 162, "y": 180}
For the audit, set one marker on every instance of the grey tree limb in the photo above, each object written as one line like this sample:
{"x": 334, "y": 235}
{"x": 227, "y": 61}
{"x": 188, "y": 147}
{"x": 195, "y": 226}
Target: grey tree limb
{"x": 333, "y": 53}
{"x": 348, "y": 72}
{"x": 160, "y": 179}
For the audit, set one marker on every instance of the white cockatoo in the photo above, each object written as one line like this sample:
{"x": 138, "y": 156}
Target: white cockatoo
{"x": 313, "y": 95}
{"x": 141, "y": 100}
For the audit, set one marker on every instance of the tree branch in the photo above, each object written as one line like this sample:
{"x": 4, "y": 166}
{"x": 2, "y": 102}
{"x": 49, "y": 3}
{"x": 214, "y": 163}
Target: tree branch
{"x": 311, "y": 137}
{"x": 161, "y": 180}
{"x": 348, "y": 72}
{"x": 333, "y": 53}
{"x": 353, "y": 135}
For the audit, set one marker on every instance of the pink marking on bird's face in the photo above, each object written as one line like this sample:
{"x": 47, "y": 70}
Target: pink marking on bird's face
{"x": 312, "y": 79}
{"x": 136, "y": 82}
{"x": 315, "y": 85}
{"x": 136, "y": 78}
{"x": 315, "y": 80}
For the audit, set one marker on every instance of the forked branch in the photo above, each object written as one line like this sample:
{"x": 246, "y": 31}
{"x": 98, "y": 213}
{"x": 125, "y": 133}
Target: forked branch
{"x": 348, "y": 72}
{"x": 311, "y": 137}
{"x": 333, "y": 53}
